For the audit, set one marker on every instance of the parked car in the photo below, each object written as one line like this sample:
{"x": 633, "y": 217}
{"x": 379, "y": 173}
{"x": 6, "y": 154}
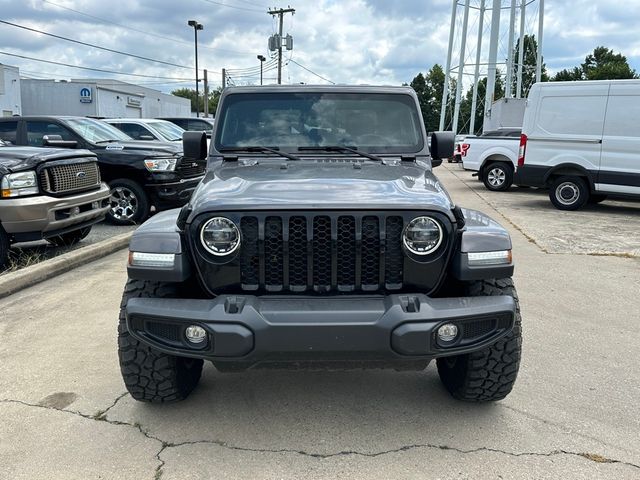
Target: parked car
{"x": 581, "y": 140}
{"x": 494, "y": 155}
{"x": 148, "y": 129}
{"x": 51, "y": 194}
{"x": 320, "y": 237}
{"x": 141, "y": 174}
{"x": 191, "y": 124}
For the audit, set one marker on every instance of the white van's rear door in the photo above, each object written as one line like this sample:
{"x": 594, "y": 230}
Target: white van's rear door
{"x": 620, "y": 160}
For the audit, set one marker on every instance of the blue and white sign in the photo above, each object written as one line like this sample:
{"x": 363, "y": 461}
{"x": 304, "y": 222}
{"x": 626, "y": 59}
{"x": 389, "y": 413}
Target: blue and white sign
{"x": 85, "y": 95}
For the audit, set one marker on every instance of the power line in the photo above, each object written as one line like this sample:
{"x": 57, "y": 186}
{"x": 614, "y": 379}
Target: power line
{"x": 151, "y": 34}
{"x": 311, "y": 71}
{"x": 233, "y": 6}
{"x": 60, "y": 37}
{"x": 92, "y": 69}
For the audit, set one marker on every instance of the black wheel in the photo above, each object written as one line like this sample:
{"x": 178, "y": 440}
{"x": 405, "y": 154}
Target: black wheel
{"x": 4, "y": 249}
{"x": 569, "y": 193}
{"x": 129, "y": 203}
{"x": 150, "y": 375}
{"x": 486, "y": 375}
{"x": 497, "y": 176}
{"x": 597, "y": 198}
{"x": 70, "y": 238}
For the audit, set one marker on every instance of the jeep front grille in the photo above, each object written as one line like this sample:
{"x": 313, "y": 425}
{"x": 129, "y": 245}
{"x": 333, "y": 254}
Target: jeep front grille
{"x": 321, "y": 253}
{"x": 68, "y": 178}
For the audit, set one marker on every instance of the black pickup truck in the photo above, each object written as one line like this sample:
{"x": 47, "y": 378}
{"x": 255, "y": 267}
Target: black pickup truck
{"x": 320, "y": 238}
{"x": 140, "y": 174}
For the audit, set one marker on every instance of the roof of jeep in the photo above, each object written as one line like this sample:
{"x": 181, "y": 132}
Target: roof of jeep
{"x": 321, "y": 88}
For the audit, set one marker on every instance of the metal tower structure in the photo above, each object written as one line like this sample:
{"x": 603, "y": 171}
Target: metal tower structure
{"x": 468, "y": 64}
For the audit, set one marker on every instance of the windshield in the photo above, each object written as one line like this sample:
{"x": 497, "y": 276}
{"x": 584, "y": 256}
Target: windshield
{"x": 387, "y": 123}
{"x": 169, "y": 131}
{"x": 95, "y": 131}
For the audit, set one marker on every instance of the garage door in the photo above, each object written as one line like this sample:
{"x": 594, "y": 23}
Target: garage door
{"x": 133, "y": 112}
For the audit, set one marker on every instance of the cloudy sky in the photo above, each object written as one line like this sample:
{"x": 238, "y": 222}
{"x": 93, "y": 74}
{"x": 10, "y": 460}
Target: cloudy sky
{"x": 345, "y": 41}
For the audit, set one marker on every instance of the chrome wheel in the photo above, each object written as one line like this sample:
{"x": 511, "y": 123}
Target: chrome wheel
{"x": 496, "y": 177}
{"x": 124, "y": 203}
{"x": 567, "y": 193}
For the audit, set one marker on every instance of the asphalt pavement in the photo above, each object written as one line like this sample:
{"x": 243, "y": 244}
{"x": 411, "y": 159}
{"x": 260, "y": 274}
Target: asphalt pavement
{"x": 573, "y": 414}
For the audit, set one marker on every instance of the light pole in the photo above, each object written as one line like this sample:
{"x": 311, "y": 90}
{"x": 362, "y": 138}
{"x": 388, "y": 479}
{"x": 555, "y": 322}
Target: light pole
{"x": 196, "y": 26}
{"x": 262, "y": 59}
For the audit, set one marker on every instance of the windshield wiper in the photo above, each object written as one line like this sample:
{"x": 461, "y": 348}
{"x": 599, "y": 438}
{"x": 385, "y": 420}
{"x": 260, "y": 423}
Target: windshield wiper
{"x": 275, "y": 150}
{"x": 106, "y": 141}
{"x": 341, "y": 148}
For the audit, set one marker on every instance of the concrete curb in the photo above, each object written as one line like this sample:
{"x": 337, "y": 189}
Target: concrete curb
{"x": 27, "y": 277}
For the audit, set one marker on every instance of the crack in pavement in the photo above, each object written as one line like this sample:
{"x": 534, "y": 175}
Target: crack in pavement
{"x": 101, "y": 417}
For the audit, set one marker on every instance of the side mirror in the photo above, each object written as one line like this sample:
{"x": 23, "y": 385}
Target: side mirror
{"x": 146, "y": 137}
{"x": 57, "y": 142}
{"x": 442, "y": 145}
{"x": 194, "y": 145}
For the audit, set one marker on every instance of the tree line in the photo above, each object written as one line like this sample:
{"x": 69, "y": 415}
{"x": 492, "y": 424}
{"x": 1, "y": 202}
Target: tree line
{"x": 602, "y": 64}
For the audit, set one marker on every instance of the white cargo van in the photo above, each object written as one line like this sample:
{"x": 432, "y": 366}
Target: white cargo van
{"x": 582, "y": 141}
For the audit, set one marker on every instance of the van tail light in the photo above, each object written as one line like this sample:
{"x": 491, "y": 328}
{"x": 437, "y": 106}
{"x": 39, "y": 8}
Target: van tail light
{"x": 522, "y": 150}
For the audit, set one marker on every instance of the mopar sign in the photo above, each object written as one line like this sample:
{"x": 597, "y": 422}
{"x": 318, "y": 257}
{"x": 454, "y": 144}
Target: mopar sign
{"x": 85, "y": 95}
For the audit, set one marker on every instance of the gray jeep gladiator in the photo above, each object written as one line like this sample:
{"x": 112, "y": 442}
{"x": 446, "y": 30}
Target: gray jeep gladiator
{"x": 319, "y": 238}
{"x": 52, "y": 194}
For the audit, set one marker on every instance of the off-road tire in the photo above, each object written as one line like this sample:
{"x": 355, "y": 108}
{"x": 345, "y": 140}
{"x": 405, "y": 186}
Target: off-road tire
{"x": 576, "y": 192}
{"x": 142, "y": 204}
{"x": 489, "y": 374}
{"x": 4, "y": 249}
{"x": 490, "y": 176}
{"x": 150, "y": 375}
{"x": 69, "y": 238}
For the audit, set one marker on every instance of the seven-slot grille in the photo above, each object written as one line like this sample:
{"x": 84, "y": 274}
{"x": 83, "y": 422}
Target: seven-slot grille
{"x": 321, "y": 253}
{"x": 67, "y": 178}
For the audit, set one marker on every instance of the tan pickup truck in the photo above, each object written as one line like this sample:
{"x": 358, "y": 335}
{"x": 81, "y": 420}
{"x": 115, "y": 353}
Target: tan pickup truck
{"x": 53, "y": 194}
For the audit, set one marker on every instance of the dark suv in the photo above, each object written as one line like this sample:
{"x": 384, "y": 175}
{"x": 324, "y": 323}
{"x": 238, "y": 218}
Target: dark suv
{"x": 193, "y": 124}
{"x": 140, "y": 174}
{"x": 320, "y": 238}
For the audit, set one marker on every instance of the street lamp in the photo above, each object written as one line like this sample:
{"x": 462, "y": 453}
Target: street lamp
{"x": 196, "y": 26}
{"x": 262, "y": 59}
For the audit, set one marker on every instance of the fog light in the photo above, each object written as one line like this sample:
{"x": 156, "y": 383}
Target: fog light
{"x": 95, "y": 205}
{"x": 75, "y": 211}
{"x": 447, "y": 332}
{"x": 195, "y": 334}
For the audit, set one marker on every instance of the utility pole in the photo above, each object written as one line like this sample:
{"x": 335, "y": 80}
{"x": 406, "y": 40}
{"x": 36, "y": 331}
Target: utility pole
{"x": 280, "y": 12}
{"x": 206, "y": 94}
{"x": 224, "y": 78}
{"x": 539, "y": 56}
{"x": 196, "y": 26}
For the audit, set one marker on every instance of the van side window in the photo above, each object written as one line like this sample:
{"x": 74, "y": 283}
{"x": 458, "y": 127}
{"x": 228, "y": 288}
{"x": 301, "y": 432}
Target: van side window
{"x": 37, "y": 130}
{"x": 8, "y": 132}
{"x": 575, "y": 115}
{"x": 623, "y": 113}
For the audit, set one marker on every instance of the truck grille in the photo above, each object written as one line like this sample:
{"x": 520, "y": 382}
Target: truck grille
{"x": 322, "y": 253}
{"x": 191, "y": 169}
{"x": 67, "y": 178}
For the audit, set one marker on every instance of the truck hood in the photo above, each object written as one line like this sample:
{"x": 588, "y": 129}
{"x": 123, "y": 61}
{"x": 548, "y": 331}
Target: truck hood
{"x": 15, "y": 159}
{"x": 322, "y": 184}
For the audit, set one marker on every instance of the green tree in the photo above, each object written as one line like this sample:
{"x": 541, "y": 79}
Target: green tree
{"x": 190, "y": 93}
{"x": 464, "y": 117}
{"x": 602, "y": 64}
{"x": 429, "y": 90}
{"x": 529, "y": 62}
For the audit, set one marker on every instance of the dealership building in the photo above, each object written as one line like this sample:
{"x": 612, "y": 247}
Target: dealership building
{"x": 10, "y": 98}
{"x": 99, "y": 98}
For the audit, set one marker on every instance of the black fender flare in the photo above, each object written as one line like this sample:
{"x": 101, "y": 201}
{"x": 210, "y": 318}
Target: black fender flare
{"x": 570, "y": 169}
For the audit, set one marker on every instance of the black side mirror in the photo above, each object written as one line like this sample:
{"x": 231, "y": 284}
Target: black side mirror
{"x": 442, "y": 145}
{"x": 194, "y": 145}
{"x": 57, "y": 142}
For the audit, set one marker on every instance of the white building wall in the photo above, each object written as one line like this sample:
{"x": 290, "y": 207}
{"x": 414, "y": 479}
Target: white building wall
{"x": 109, "y": 99}
{"x": 10, "y": 95}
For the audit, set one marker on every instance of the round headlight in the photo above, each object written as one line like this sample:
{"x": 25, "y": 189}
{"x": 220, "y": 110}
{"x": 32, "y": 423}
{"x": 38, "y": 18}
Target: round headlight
{"x": 220, "y": 236}
{"x": 422, "y": 236}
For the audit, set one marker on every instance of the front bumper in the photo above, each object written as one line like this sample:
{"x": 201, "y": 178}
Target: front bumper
{"x": 173, "y": 194}
{"x": 249, "y": 330}
{"x": 31, "y": 218}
